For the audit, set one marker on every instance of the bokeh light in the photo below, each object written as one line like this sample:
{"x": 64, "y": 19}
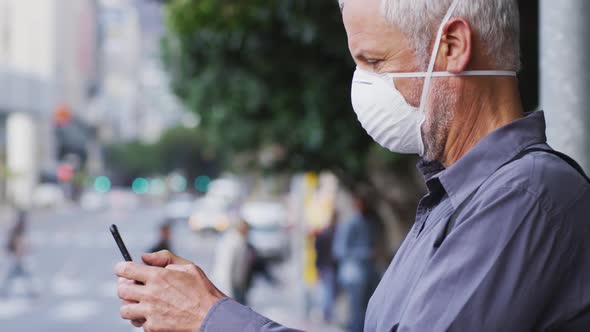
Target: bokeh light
{"x": 157, "y": 187}
{"x": 202, "y": 183}
{"x": 178, "y": 183}
{"x": 102, "y": 184}
{"x": 140, "y": 186}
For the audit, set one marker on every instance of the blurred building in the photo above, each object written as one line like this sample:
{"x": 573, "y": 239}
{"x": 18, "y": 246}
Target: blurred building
{"x": 136, "y": 103}
{"x": 47, "y": 61}
{"x": 116, "y": 113}
{"x": 161, "y": 109}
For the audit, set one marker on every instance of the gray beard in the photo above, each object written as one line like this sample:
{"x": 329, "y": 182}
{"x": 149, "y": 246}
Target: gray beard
{"x": 435, "y": 130}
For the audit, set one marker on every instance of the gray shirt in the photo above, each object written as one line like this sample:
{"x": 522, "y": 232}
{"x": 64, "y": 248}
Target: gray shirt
{"x": 517, "y": 257}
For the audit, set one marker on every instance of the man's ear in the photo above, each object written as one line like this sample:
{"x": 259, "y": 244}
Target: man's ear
{"x": 457, "y": 45}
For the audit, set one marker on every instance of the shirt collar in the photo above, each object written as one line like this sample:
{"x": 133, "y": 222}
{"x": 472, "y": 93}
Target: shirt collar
{"x": 429, "y": 169}
{"x": 493, "y": 151}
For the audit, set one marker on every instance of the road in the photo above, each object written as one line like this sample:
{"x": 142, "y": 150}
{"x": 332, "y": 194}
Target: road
{"x": 72, "y": 255}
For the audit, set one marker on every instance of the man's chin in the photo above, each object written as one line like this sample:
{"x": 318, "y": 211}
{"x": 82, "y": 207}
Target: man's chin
{"x": 429, "y": 157}
{"x": 433, "y": 149}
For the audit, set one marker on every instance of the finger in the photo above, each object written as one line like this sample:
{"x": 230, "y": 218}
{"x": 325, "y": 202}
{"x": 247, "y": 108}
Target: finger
{"x": 163, "y": 258}
{"x": 131, "y": 292}
{"x": 134, "y": 322}
{"x": 133, "y": 312}
{"x": 134, "y": 271}
{"x": 121, "y": 281}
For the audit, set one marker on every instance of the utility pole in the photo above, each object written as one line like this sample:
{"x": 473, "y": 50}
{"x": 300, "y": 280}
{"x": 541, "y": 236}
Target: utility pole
{"x": 565, "y": 76}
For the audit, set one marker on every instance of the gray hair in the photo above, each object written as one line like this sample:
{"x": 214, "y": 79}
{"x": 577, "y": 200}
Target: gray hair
{"x": 495, "y": 22}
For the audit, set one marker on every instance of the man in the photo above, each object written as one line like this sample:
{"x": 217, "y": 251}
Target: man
{"x": 17, "y": 249}
{"x": 354, "y": 247}
{"x": 231, "y": 263}
{"x": 326, "y": 265}
{"x": 500, "y": 240}
{"x": 164, "y": 238}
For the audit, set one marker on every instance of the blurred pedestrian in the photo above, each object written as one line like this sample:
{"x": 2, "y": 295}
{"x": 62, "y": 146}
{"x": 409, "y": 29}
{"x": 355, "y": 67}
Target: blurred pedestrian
{"x": 164, "y": 238}
{"x": 326, "y": 266}
{"x": 16, "y": 249}
{"x": 354, "y": 248}
{"x": 231, "y": 264}
{"x": 257, "y": 265}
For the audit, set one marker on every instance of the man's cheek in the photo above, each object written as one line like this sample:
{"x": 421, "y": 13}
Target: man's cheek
{"x": 411, "y": 89}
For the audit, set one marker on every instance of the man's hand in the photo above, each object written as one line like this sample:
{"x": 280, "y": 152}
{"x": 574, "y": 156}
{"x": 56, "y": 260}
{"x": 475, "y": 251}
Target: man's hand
{"x": 176, "y": 296}
{"x": 164, "y": 258}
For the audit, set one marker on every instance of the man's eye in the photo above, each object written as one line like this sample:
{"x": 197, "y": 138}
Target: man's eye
{"x": 373, "y": 62}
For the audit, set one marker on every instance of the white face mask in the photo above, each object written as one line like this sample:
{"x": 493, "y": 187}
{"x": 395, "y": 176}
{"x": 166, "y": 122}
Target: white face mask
{"x": 384, "y": 113}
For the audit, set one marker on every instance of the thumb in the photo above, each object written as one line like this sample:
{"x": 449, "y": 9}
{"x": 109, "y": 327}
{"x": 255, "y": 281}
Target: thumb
{"x": 163, "y": 258}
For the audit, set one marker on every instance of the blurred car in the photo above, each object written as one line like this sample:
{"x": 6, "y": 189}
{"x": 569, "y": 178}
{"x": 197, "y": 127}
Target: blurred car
{"x": 48, "y": 195}
{"x": 268, "y": 232}
{"x": 179, "y": 207}
{"x": 93, "y": 201}
{"x": 228, "y": 190}
{"x": 210, "y": 214}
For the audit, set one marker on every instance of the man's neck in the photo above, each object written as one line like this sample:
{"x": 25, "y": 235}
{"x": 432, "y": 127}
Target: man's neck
{"x": 490, "y": 108}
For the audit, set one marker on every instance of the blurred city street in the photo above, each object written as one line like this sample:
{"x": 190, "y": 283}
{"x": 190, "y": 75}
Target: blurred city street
{"x": 233, "y": 133}
{"x": 72, "y": 255}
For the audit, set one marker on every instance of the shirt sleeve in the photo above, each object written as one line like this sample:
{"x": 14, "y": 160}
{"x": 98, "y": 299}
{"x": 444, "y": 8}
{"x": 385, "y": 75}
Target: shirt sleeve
{"x": 496, "y": 269}
{"x": 228, "y": 315}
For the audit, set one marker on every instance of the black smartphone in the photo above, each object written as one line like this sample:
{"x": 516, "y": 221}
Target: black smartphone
{"x": 115, "y": 231}
{"x": 120, "y": 243}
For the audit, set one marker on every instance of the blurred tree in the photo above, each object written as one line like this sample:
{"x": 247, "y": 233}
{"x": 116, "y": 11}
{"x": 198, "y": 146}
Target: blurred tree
{"x": 185, "y": 149}
{"x": 275, "y": 75}
{"x": 133, "y": 159}
{"x": 179, "y": 149}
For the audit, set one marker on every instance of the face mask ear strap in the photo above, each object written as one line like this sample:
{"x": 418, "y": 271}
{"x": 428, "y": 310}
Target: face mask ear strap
{"x": 426, "y": 88}
{"x": 448, "y": 74}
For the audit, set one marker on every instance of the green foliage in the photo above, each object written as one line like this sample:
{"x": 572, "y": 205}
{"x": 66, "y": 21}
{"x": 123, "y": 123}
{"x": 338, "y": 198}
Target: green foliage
{"x": 178, "y": 149}
{"x": 133, "y": 158}
{"x": 267, "y": 72}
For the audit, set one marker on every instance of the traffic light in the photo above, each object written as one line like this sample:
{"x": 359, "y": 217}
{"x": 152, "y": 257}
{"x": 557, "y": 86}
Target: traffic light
{"x": 62, "y": 115}
{"x": 65, "y": 173}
